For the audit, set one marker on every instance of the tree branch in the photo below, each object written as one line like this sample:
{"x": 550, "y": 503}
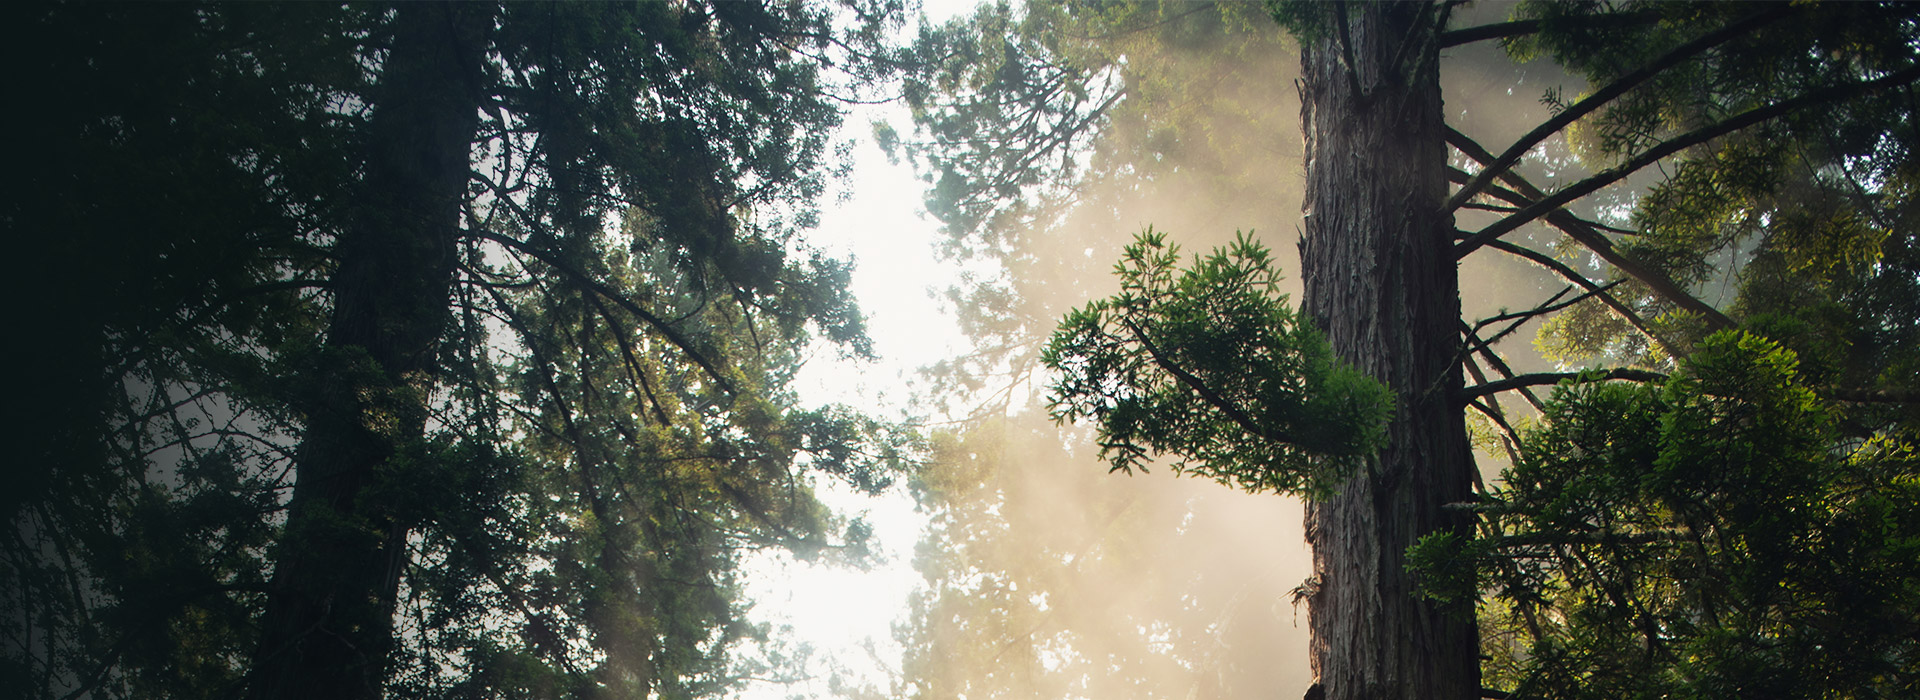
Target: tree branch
{"x": 1530, "y": 197}
{"x": 1502, "y": 30}
{"x": 1675, "y": 145}
{"x": 1872, "y": 395}
{"x": 665, "y": 329}
{"x": 1613, "y": 303}
{"x": 1545, "y": 378}
{"x": 1607, "y": 94}
{"x": 1220, "y": 402}
{"x": 1494, "y": 361}
{"x": 634, "y": 371}
{"x": 1590, "y": 537}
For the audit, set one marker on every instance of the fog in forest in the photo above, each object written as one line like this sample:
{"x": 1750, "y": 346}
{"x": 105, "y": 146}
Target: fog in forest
{"x": 695, "y": 349}
{"x": 1048, "y": 577}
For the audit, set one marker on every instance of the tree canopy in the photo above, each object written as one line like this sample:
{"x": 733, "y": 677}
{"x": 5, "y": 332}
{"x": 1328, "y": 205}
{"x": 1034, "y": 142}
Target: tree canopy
{"x": 446, "y": 349}
{"x": 430, "y": 349}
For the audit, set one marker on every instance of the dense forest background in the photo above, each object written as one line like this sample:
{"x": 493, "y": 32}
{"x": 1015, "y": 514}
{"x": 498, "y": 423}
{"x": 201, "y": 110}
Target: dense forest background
{"x": 452, "y": 350}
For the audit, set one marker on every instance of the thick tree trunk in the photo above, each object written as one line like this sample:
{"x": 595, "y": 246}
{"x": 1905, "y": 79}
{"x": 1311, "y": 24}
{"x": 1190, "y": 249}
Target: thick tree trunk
{"x": 328, "y": 627}
{"x": 1381, "y": 281}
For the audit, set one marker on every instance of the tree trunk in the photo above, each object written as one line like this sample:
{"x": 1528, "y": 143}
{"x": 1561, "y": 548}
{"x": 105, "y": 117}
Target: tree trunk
{"x": 328, "y": 627}
{"x": 1380, "y": 280}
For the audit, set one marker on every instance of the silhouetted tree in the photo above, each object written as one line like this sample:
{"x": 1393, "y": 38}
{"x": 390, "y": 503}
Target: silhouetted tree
{"x": 434, "y": 349}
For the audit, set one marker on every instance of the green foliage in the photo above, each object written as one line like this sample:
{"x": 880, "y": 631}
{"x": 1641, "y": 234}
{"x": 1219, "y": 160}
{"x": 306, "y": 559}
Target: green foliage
{"x": 1044, "y": 127}
{"x": 1717, "y": 536}
{"x": 1211, "y": 365}
{"x": 1807, "y": 211}
{"x": 607, "y": 419}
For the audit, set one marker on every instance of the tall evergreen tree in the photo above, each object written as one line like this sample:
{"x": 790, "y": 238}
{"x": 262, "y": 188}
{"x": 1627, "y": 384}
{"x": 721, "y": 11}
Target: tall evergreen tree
{"x": 1789, "y": 158}
{"x": 439, "y": 349}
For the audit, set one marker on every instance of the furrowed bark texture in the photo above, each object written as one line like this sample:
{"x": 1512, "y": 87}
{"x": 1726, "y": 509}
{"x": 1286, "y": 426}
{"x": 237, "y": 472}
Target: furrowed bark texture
{"x": 328, "y": 627}
{"x": 1380, "y": 280}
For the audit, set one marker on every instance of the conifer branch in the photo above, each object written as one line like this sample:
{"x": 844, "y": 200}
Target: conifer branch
{"x": 1503, "y": 30}
{"x": 1677, "y": 144}
{"x": 1873, "y": 395}
{"x": 660, "y": 325}
{"x": 1547, "y": 378}
{"x": 1626, "y": 312}
{"x": 1529, "y": 197}
{"x": 1500, "y": 365}
{"x": 1607, "y": 94}
{"x": 1220, "y": 402}
{"x": 634, "y": 371}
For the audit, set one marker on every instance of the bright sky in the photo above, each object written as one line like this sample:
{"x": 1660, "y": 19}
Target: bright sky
{"x": 846, "y": 615}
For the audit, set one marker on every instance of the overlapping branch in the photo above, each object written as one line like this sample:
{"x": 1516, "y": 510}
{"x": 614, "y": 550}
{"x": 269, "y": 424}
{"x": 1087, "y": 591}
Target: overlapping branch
{"x": 1757, "y": 115}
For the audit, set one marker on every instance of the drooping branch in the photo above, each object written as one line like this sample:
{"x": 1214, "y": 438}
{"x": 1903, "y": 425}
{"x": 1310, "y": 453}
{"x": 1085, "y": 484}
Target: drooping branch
{"x": 1490, "y": 407}
{"x": 1551, "y": 305}
{"x": 1611, "y": 92}
{"x": 1474, "y": 343}
{"x": 1548, "y": 378}
{"x": 1530, "y": 197}
{"x": 1679, "y": 143}
{"x": 634, "y": 371}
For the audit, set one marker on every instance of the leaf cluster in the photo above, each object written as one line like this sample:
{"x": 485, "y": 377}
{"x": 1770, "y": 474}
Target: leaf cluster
{"x": 1718, "y": 536}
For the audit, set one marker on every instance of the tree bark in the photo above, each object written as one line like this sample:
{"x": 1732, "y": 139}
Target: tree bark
{"x": 1380, "y": 280}
{"x": 328, "y": 628}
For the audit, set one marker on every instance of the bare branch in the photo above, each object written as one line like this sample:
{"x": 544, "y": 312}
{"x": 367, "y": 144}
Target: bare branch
{"x": 1613, "y": 303}
{"x": 1500, "y": 365}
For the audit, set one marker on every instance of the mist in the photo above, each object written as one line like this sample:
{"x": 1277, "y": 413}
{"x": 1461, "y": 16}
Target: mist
{"x": 1045, "y": 575}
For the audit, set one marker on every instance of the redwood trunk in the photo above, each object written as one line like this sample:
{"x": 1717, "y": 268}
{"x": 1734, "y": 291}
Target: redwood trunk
{"x": 1380, "y": 280}
{"x": 328, "y": 628}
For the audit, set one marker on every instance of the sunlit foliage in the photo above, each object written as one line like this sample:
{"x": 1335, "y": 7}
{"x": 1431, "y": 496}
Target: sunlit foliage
{"x": 1210, "y": 366}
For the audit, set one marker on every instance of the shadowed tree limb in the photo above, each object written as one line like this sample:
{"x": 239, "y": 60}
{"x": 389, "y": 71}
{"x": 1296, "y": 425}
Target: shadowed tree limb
{"x": 634, "y": 372}
{"x": 1502, "y": 30}
{"x": 1612, "y": 302}
{"x": 1493, "y": 360}
{"x": 1474, "y": 343}
{"x": 1530, "y": 198}
{"x": 1546, "y": 378}
{"x": 1607, "y": 94}
{"x": 665, "y": 329}
{"x": 1873, "y": 395}
{"x": 1552, "y": 203}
